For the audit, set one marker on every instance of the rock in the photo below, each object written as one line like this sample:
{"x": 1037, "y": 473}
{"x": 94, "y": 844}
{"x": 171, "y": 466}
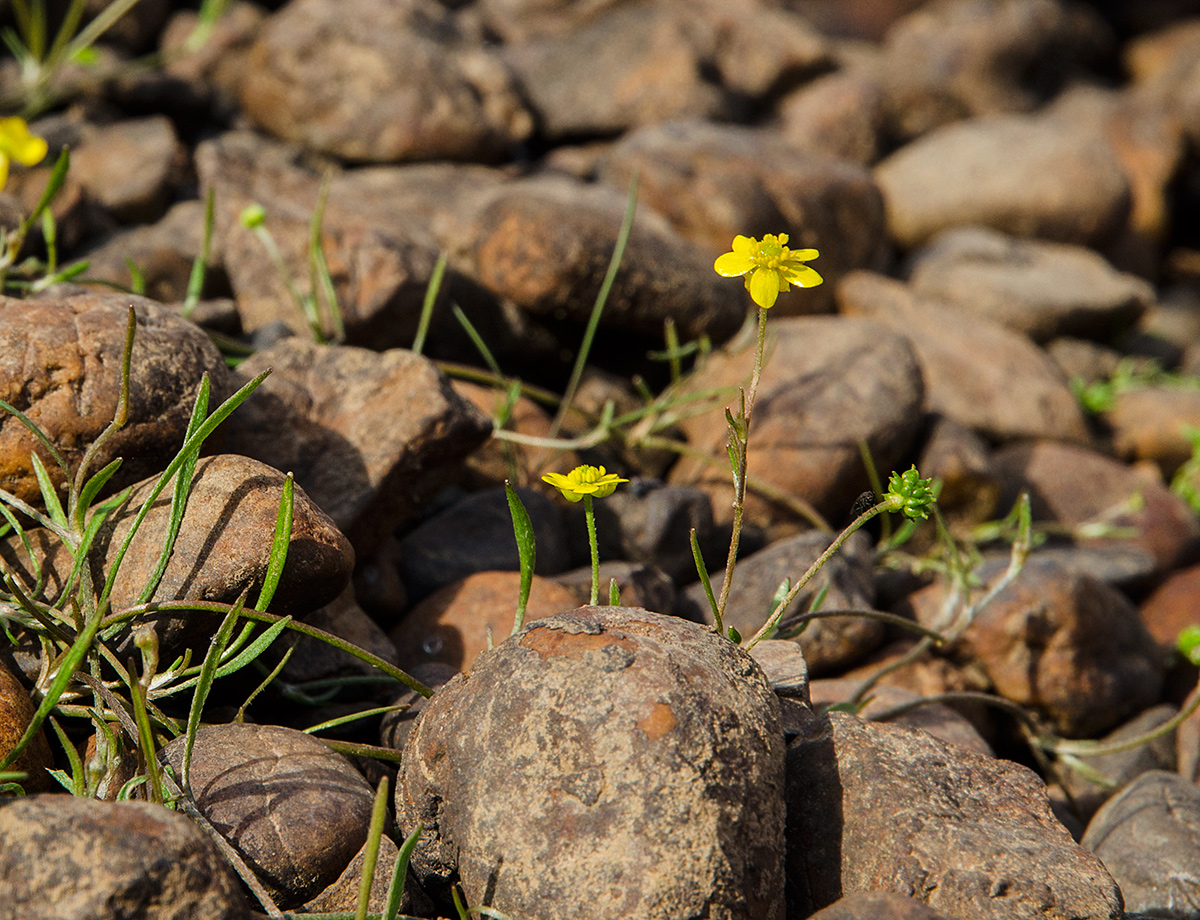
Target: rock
{"x": 713, "y": 182}
{"x": 16, "y": 712}
{"x": 1149, "y": 838}
{"x": 1173, "y": 606}
{"x": 976, "y": 372}
{"x": 870, "y": 905}
{"x": 452, "y": 624}
{"x": 163, "y": 253}
{"x": 395, "y": 726}
{"x": 1068, "y": 646}
{"x": 1024, "y": 175}
{"x": 343, "y": 894}
{"x": 1122, "y": 767}
{"x": 638, "y": 742}
{"x": 295, "y": 811}
{"x": 131, "y": 168}
{"x": 969, "y": 835}
{"x": 841, "y": 115}
{"x": 828, "y": 644}
{"x": 213, "y": 560}
{"x": 829, "y": 383}
{"x": 787, "y": 671}
{"x": 961, "y": 460}
{"x": 1149, "y": 423}
{"x": 545, "y": 243}
{"x": 453, "y": 99}
{"x": 639, "y": 585}
{"x": 630, "y": 65}
{"x": 371, "y": 436}
{"x": 60, "y": 364}
{"x": 1045, "y": 290}
{"x": 215, "y": 68}
{"x": 475, "y": 535}
{"x": 1075, "y": 487}
{"x": 937, "y": 719}
{"x": 65, "y": 858}
{"x": 650, "y": 523}
{"x": 949, "y": 60}
{"x": 313, "y": 659}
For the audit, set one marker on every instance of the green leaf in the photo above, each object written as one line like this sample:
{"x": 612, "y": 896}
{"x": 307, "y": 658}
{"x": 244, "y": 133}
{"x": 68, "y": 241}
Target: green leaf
{"x": 702, "y": 571}
{"x": 204, "y": 682}
{"x": 400, "y": 872}
{"x": 1188, "y": 643}
{"x": 431, "y": 294}
{"x": 371, "y": 849}
{"x": 526, "y": 549}
{"x": 54, "y": 506}
{"x": 734, "y": 636}
{"x": 279, "y": 545}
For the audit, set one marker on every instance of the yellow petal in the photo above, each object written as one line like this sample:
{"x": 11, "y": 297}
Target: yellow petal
{"x": 744, "y": 244}
{"x": 804, "y": 255}
{"x": 16, "y": 141}
{"x": 764, "y": 287}
{"x": 802, "y": 276}
{"x": 733, "y": 264}
{"x": 3, "y": 170}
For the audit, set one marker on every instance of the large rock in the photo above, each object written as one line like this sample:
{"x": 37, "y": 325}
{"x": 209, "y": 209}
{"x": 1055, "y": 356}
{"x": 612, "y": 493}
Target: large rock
{"x": 68, "y": 858}
{"x": 296, "y": 811}
{"x": 16, "y": 712}
{"x": 325, "y": 74}
{"x": 882, "y": 808}
{"x": 370, "y": 436}
{"x": 1024, "y": 175}
{"x": 976, "y": 372}
{"x": 60, "y": 364}
{"x": 648, "y": 757}
{"x": 829, "y": 382}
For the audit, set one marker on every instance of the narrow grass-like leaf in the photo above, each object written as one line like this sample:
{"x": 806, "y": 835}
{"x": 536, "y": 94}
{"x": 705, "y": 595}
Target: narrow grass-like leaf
{"x": 50, "y": 238}
{"x": 137, "y": 280}
{"x": 702, "y": 571}
{"x": 477, "y": 340}
{"x": 200, "y": 266}
{"x": 354, "y": 717}
{"x": 50, "y": 499}
{"x": 192, "y": 443}
{"x": 204, "y": 682}
{"x": 77, "y": 782}
{"x": 371, "y": 849}
{"x": 58, "y": 175}
{"x": 126, "y": 791}
{"x": 614, "y": 593}
{"x": 526, "y": 549}
{"x": 400, "y": 873}
{"x": 92, "y": 488}
{"x": 589, "y": 333}
{"x": 320, "y": 279}
{"x": 255, "y": 649}
{"x": 351, "y": 749}
{"x": 14, "y": 523}
{"x": 241, "y": 713}
{"x": 120, "y": 415}
{"x": 431, "y": 294}
{"x": 279, "y": 545}
{"x": 146, "y": 748}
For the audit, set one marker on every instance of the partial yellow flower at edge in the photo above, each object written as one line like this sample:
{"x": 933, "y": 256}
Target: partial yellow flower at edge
{"x": 16, "y": 143}
{"x": 768, "y": 267}
{"x": 584, "y": 480}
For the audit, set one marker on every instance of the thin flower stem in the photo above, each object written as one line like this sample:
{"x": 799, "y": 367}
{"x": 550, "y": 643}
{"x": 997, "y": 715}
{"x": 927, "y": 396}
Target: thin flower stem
{"x": 739, "y": 479}
{"x": 769, "y": 626}
{"x": 590, "y": 514}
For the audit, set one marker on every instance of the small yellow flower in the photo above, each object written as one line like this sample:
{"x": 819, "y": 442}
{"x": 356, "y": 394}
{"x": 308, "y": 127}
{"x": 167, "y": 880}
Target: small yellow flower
{"x": 584, "y": 480}
{"x": 16, "y": 143}
{"x": 769, "y": 266}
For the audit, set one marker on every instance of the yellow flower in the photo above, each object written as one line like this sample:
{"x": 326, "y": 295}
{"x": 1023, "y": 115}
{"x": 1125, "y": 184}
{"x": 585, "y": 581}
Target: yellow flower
{"x": 16, "y": 143}
{"x": 584, "y": 480}
{"x": 769, "y": 266}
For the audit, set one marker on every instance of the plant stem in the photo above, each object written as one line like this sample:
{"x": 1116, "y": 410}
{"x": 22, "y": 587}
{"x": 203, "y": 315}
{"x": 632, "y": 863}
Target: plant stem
{"x": 590, "y": 514}
{"x": 739, "y": 483}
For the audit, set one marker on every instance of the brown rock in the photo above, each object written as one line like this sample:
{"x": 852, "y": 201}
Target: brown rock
{"x": 976, "y": 372}
{"x": 713, "y": 182}
{"x": 453, "y": 99}
{"x": 648, "y": 753}
{"x": 1045, "y": 290}
{"x": 884, "y": 808}
{"x": 1148, "y": 423}
{"x": 313, "y": 659}
{"x": 216, "y": 65}
{"x": 451, "y": 625}
{"x": 961, "y": 460}
{"x": 131, "y": 167}
{"x": 60, "y": 364}
{"x": 545, "y": 244}
{"x": 1024, "y": 175}
{"x": 66, "y": 858}
{"x": 1075, "y": 487}
{"x": 1173, "y": 606}
{"x": 296, "y": 811}
{"x": 828, "y": 644}
{"x": 16, "y": 712}
{"x": 1149, "y": 838}
{"x": 395, "y": 726}
{"x": 370, "y": 436}
{"x": 829, "y": 382}
{"x": 874, "y": 905}
{"x": 638, "y": 585}
{"x": 841, "y": 115}
{"x": 342, "y": 896}
{"x": 1067, "y": 645}
{"x": 937, "y": 719}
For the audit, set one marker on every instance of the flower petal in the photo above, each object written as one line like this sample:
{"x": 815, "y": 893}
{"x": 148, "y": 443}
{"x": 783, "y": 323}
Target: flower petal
{"x": 3, "y": 170}
{"x": 803, "y": 276}
{"x": 744, "y": 244}
{"x": 733, "y": 264}
{"x": 764, "y": 287}
{"x": 16, "y": 142}
{"x": 804, "y": 255}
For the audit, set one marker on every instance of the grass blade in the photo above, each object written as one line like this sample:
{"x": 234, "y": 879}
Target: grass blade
{"x": 279, "y": 546}
{"x": 400, "y": 873}
{"x": 200, "y": 266}
{"x": 204, "y": 682}
{"x": 431, "y": 294}
{"x": 526, "y": 548}
{"x": 371, "y": 849}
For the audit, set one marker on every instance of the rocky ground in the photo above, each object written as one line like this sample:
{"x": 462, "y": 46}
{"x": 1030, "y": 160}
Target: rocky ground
{"x": 1004, "y": 197}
